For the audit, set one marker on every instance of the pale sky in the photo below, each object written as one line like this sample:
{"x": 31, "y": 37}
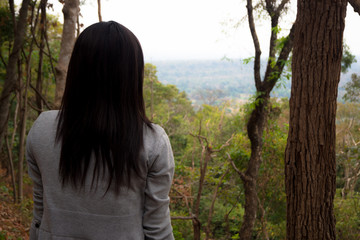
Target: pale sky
{"x": 195, "y": 29}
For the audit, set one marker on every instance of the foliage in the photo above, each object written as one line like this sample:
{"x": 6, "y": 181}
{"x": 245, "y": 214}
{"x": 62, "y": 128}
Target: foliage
{"x": 6, "y": 25}
{"x": 347, "y": 59}
{"x": 352, "y": 89}
{"x": 347, "y": 213}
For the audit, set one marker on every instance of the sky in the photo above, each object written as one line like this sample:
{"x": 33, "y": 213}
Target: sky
{"x": 196, "y": 29}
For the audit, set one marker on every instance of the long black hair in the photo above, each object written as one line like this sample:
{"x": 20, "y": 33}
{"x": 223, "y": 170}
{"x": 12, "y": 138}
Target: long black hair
{"x": 102, "y": 114}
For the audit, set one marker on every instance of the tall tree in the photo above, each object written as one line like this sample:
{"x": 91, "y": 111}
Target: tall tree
{"x": 310, "y": 167}
{"x": 258, "y": 116}
{"x": 71, "y": 12}
{"x": 11, "y": 68}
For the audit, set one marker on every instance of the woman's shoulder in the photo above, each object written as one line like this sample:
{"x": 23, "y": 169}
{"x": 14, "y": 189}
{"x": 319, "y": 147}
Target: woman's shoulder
{"x": 45, "y": 124}
{"x": 47, "y": 116}
{"x": 155, "y": 137}
{"x": 155, "y": 132}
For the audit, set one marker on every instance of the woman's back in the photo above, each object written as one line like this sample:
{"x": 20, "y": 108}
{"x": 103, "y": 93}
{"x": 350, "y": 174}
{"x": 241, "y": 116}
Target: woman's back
{"x": 101, "y": 169}
{"x": 89, "y": 213}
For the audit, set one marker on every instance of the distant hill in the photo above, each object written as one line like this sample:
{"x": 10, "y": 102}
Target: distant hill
{"x": 222, "y": 79}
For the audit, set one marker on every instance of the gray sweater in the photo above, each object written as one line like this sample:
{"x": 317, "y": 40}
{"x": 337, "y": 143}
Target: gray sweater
{"x": 141, "y": 212}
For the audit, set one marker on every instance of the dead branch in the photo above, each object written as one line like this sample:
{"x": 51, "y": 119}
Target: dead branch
{"x": 186, "y": 201}
{"x": 226, "y": 144}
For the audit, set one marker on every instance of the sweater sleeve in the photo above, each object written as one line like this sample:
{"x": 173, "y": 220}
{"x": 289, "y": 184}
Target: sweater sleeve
{"x": 35, "y": 175}
{"x": 156, "y": 218}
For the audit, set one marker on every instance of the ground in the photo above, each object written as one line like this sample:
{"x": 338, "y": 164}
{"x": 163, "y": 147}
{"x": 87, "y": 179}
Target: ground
{"x": 14, "y": 218}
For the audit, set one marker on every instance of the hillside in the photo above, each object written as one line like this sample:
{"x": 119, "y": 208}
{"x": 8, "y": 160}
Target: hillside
{"x": 207, "y": 80}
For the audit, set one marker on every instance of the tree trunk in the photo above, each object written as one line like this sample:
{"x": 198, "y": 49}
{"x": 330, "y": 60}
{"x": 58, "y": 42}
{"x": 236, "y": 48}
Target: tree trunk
{"x": 310, "y": 168}
{"x": 23, "y": 118}
{"x": 11, "y": 165}
{"x": 258, "y": 116}
{"x": 11, "y": 75}
{"x": 70, "y": 11}
{"x": 39, "y": 80}
{"x": 255, "y": 128}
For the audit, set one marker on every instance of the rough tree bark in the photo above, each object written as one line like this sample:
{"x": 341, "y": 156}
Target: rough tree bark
{"x": 11, "y": 73}
{"x": 258, "y": 117}
{"x": 70, "y": 11}
{"x": 310, "y": 167}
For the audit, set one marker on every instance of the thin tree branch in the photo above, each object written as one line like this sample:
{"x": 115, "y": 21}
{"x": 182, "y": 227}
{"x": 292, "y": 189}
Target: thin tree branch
{"x": 273, "y": 37}
{"x": 356, "y": 5}
{"x": 281, "y": 6}
{"x": 200, "y": 138}
{"x": 257, "y": 77}
{"x": 224, "y": 145}
{"x": 50, "y": 55}
{"x": 99, "y": 10}
{"x": 12, "y": 10}
{"x": 280, "y": 63}
{"x": 41, "y": 96}
{"x": 35, "y": 108}
{"x": 186, "y": 201}
{"x": 242, "y": 175}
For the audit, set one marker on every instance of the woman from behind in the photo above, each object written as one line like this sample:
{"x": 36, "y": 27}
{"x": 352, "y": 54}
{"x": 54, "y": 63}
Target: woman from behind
{"x": 101, "y": 169}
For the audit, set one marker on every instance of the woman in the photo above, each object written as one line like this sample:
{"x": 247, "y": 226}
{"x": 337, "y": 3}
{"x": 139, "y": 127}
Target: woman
{"x": 101, "y": 169}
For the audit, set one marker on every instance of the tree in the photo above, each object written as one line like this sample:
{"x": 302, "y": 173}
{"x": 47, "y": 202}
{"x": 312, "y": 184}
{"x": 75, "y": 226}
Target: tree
{"x": 278, "y": 54}
{"x": 11, "y": 68}
{"x": 71, "y": 12}
{"x": 310, "y": 167}
{"x": 352, "y": 89}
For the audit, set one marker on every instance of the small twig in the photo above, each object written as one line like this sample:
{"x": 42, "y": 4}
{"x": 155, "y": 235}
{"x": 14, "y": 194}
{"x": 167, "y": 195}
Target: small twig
{"x": 200, "y": 138}
{"x": 50, "y": 55}
{"x": 224, "y": 145}
{"x": 41, "y": 96}
{"x": 35, "y": 108}
{"x": 242, "y": 175}
{"x": 186, "y": 201}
